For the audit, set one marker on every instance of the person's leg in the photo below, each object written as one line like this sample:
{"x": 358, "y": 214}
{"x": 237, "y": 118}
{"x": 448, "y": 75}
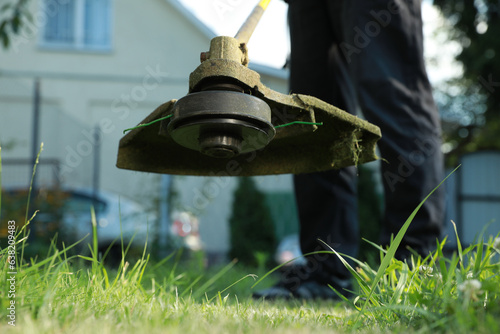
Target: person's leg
{"x": 327, "y": 206}
{"x": 326, "y": 202}
{"x": 384, "y": 50}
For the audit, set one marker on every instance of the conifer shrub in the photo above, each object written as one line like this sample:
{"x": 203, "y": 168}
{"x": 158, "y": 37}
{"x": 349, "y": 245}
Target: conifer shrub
{"x": 251, "y": 226}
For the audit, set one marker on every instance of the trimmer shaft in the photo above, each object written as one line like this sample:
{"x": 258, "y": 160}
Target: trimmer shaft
{"x": 221, "y": 124}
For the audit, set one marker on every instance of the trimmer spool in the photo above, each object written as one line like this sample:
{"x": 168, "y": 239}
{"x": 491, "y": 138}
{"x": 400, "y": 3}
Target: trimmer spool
{"x": 221, "y": 123}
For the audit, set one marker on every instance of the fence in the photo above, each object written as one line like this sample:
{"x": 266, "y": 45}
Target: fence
{"x": 17, "y": 173}
{"x": 473, "y": 200}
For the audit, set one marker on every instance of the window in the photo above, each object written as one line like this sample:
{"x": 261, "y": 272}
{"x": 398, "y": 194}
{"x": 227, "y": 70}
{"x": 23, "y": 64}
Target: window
{"x": 77, "y": 24}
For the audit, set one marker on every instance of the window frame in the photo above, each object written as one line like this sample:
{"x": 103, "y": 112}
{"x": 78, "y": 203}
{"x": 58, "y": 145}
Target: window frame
{"x": 79, "y": 44}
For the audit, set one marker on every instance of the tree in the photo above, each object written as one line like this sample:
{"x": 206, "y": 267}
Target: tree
{"x": 12, "y": 15}
{"x": 251, "y": 225}
{"x": 471, "y": 104}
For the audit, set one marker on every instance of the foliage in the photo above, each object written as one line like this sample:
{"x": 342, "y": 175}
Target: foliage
{"x": 370, "y": 210}
{"x": 251, "y": 225}
{"x": 49, "y": 204}
{"x": 472, "y": 104}
{"x": 12, "y": 15}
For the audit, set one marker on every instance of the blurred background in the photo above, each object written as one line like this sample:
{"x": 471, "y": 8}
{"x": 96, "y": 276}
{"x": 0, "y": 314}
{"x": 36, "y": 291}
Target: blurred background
{"x": 75, "y": 73}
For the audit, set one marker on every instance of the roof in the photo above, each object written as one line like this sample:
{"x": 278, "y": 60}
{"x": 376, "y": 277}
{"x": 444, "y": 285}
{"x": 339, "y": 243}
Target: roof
{"x": 279, "y": 73}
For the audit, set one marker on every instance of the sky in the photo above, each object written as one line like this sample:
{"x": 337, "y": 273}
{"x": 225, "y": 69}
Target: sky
{"x": 269, "y": 44}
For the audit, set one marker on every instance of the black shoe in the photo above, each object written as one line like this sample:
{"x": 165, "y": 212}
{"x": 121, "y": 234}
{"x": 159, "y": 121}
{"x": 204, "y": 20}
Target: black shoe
{"x": 297, "y": 283}
{"x": 307, "y": 290}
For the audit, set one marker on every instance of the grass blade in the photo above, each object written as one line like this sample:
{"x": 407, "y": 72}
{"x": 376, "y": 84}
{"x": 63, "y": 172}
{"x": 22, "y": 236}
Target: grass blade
{"x": 442, "y": 263}
{"x": 26, "y": 221}
{"x": 201, "y": 290}
{"x": 459, "y": 245}
{"x": 395, "y": 244}
{"x": 234, "y": 283}
{"x": 190, "y": 287}
{"x": 479, "y": 257}
{"x": 401, "y": 285}
{"x": 0, "y": 181}
{"x": 364, "y": 286}
{"x": 378, "y": 247}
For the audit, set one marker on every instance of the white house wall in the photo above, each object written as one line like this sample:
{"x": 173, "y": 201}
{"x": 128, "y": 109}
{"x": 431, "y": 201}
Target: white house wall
{"x": 154, "y": 49}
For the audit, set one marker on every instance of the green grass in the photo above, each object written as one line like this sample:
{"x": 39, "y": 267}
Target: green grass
{"x": 59, "y": 294}
{"x": 62, "y": 293}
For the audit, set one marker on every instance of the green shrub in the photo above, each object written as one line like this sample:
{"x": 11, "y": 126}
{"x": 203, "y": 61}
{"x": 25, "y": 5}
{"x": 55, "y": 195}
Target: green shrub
{"x": 251, "y": 225}
{"x": 370, "y": 202}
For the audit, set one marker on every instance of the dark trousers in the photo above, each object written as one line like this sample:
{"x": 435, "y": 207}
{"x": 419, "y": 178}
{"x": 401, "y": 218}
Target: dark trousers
{"x": 367, "y": 55}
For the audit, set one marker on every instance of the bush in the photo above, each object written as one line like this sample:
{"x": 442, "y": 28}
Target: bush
{"x": 251, "y": 225}
{"x": 370, "y": 203}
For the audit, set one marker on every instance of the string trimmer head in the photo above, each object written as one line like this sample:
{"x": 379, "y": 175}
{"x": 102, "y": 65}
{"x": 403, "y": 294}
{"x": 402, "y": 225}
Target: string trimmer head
{"x": 231, "y": 124}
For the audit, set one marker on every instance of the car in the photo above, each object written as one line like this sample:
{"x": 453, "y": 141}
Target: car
{"x": 67, "y": 212}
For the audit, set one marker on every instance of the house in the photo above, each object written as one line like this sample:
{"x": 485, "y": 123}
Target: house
{"x": 97, "y": 68}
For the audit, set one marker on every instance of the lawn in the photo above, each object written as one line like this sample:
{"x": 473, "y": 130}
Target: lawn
{"x": 63, "y": 292}
{"x": 79, "y": 294}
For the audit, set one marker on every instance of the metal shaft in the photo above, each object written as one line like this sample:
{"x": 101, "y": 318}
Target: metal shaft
{"x": 246, "y": 30}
